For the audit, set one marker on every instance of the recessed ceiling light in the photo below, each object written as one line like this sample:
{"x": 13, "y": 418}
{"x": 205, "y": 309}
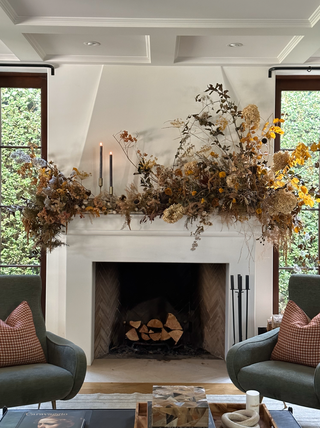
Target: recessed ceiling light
{"x": 92, "y": 43}
{"x": 235, "y": 45}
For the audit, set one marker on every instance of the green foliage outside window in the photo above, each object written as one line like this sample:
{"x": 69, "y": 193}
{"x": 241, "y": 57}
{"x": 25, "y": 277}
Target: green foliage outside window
{"x": 20, "y": 127}
{"x": 301, "y": 111}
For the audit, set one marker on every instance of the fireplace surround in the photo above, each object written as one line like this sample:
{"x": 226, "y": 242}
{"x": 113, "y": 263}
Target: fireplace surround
{"x": 70, "y": 309}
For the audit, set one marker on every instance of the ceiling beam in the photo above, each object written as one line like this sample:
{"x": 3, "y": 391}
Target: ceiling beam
{"x": 15, "y": 41}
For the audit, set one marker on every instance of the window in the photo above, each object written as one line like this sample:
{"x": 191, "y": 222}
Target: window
{"x": 23, "y": 121}
{"x": 298, "y": 100}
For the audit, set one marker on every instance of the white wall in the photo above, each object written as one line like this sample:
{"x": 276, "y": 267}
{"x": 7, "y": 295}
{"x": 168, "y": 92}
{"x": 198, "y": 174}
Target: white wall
{"x": 88, "y": 104}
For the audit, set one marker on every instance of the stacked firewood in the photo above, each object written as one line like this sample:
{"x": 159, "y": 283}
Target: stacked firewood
{"x": 155, "y": 330}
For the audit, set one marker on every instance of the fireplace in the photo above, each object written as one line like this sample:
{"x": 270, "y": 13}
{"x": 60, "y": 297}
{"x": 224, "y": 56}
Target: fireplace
{"x": 130, "y": 296}
{"x": 71, "y": 273}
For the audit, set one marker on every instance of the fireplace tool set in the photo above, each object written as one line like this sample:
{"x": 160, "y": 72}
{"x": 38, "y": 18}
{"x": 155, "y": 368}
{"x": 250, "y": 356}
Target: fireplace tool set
{"x": 239, "y": 291}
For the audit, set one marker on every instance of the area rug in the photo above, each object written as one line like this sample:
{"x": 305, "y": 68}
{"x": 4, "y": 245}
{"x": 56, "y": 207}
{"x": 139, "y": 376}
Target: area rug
{"x": 307, "y": 418}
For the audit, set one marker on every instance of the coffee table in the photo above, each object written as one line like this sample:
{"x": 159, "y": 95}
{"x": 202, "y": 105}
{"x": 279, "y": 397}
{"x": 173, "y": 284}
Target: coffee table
{"x": 131, "y": 418}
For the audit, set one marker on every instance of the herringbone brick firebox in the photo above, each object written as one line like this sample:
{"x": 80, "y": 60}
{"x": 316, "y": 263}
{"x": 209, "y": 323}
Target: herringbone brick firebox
{"x": 194, "y": 292}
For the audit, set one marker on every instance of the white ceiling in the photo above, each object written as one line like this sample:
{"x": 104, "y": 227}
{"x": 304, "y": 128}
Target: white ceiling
{"x": 165, "y": 32}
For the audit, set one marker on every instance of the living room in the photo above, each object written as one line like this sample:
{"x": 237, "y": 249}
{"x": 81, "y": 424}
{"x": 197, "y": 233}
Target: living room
{"x": 139, "y": 69}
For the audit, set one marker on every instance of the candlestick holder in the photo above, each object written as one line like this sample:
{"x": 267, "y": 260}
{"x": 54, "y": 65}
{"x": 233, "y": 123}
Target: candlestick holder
{"x": 111, "y": 190}
{"x": 100, "y": 183}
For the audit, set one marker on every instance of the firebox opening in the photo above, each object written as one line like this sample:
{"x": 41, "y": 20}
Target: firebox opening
{"x": 152, "y": 310}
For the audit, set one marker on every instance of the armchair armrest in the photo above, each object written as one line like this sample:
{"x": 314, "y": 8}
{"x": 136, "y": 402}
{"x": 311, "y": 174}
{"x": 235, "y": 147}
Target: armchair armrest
{"x": 65, "y": 354}
{"x": 317, "y": 381}
{"x": 250, "y": 351}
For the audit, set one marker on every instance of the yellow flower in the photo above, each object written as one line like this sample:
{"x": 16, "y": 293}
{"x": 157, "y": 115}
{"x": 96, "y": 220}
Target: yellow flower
{"x": 222, "y": 174}
{"x": 296, "y": 229}
{"x": 234, "y": 201}
{"x": 265, "y": 126}
{"x": 270, "y": 134}
{"x": 314, "y": 147}
{"x": 258, "y": 210}
{"x": 168, "y": 191}
{"x": 307, "y": 199}
{"x": 203, "y": 200}
{"x": 304, "y": 190}
{"x": 300, "y": 154}
{"x": 277, "y": 130}
{"x": 221, "y": 190}
{"x": 194, "y": 192}
{"x": 214, "y": 155}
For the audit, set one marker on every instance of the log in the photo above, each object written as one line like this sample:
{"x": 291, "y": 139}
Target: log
{"x": 175, "y": 334}
{"x": 143, "y": 329}
{"x": 165, "y": 335}
{"x": 132, "y": 334}
{"x": 135, "y": 324}
{"x": 172, "y": 322}
{"x": 155, "y": 323}
{"x": 155, "y": 336}
{"x": 145, "y": 336}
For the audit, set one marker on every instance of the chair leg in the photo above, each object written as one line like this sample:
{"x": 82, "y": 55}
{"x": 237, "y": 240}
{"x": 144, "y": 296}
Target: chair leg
{"x": 284, "y": 405}
{"x": 53, "y": 403}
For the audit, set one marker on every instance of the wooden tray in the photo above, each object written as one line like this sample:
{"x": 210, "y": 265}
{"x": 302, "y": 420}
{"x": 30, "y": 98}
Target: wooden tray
{"x": 217, "y": 410}
{"x": 141, "y": 416}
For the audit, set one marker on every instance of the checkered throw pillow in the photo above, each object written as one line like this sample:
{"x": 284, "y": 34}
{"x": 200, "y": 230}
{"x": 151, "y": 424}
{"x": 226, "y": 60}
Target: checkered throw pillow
{"x": 299, "y": 338}
{"x": 19, "y": 343}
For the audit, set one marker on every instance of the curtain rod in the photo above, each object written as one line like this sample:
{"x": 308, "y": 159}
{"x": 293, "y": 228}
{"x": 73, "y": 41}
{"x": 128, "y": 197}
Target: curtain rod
{"x": 308, "y": 68}
{"x": 13, "y": 64}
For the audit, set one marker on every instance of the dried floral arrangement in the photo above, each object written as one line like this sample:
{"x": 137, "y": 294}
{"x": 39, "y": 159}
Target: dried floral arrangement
{"x": 223, "y": 166}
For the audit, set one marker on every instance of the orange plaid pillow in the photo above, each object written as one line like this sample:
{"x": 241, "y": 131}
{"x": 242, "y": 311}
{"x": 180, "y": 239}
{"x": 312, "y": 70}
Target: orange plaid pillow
{"x": 299, "y": 338}
{"x": 19, "y": 343}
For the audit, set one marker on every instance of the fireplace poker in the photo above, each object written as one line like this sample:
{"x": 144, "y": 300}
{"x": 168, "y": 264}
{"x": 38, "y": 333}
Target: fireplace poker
{"x": 240, "y": 306}
{"x": 247, "y": 303}
{"x": 233, "y": 315}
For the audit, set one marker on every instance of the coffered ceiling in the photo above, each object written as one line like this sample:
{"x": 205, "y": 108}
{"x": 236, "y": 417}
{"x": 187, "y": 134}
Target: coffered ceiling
{"x": 166, "y": 32}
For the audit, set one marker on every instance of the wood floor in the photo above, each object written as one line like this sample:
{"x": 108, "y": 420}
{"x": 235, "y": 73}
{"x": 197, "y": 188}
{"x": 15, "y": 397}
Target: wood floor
{"x": 146, "y": 388}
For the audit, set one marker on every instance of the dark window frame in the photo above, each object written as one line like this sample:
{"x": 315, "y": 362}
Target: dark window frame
{"x": 289, "y": 83}
{"x": 34, "y": 80}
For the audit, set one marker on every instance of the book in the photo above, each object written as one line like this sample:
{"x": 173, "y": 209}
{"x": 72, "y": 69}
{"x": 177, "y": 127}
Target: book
{"x": 96, "y": 418}
{"x": 52, "y": 419}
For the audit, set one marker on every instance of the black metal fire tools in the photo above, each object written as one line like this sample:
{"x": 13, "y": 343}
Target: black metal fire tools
{"x": 233, "y": 321}
{"x": 239, "y": 291}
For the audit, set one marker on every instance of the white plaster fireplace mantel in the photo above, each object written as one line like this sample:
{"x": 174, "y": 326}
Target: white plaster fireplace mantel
{"x": 70, "y": 272}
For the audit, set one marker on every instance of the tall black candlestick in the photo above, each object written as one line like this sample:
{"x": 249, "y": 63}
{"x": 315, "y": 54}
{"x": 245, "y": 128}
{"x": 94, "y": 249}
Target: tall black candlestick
{"x": 100, "y": 169}
{"x": 110, "y": 175}
{"x": 101, "y": 156}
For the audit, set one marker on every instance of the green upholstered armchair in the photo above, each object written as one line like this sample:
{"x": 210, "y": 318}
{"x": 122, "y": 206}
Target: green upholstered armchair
{"x": 249, "y": 365}
{"x": 62, "y": 376}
